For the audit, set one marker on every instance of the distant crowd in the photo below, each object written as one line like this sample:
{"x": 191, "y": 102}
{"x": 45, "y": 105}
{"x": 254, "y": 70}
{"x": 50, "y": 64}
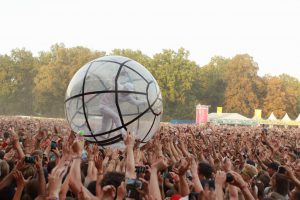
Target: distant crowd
{"x": 44, "y": 159}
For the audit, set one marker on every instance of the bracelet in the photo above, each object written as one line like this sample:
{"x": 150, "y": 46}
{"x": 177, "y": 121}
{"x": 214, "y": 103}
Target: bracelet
{"x": 99, "y": 174}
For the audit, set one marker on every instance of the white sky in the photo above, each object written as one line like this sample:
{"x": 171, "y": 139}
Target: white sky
{"x": 268, "y": 30}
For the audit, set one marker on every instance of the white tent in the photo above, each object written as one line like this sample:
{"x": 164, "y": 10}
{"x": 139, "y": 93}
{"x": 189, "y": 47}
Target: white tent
{"x": 272, "y": 117}
{"x": 298, "y": 118}
{"x": 286, "y": 118}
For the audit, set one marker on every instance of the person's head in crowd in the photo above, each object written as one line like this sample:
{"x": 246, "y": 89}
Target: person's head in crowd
{"x": 92, "y": 187}
{"x": 50, "y": 166}
{"x": 11, "y": 164}
{"x": 6, "y": 135}
{"x": 110, "y": 183}
{"x": 264, "y": 178}
{"x": 260, "y": 189}
{"x": 31, "y": 188}
{"x": 28, "y": 170}
{"x": 205, "y": 170}
{"x": 248, "y": 172}
{"x": 250, "y": 162}
{"x": 272, "y": 168}
{"x": 112, "y": 178}
{"x": 2, "y": 153}
{"x": 280, "y": 184}
{"x": 4, "y": 169}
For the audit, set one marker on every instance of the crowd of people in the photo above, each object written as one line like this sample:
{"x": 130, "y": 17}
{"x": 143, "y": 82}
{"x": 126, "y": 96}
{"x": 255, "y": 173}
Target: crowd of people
{"x": 44, "y": 159}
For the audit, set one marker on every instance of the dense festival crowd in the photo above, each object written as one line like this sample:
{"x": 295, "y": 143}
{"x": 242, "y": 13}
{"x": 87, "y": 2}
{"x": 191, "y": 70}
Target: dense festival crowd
{"x": 44, "y": 159}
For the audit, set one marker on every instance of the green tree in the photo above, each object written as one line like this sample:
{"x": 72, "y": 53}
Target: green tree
{"x": 135, "y": 55}
{"x": 291, "y": 88}
{"x": 54, "y": 74}
{"x": 177, "y": 77}
{"x": 242, "y": 85}
{"x": 213, "y": 83}
{"x": 16, "y": 74}
{"x": 275, "y": 98}
{"x": 8, "y": 83}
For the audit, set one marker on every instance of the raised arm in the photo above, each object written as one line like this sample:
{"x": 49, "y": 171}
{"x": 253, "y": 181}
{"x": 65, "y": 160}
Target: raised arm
{"x": 130, "y": 165}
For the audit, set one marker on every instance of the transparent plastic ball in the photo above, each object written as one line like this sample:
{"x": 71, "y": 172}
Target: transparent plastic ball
{"x": 112, "y": 95}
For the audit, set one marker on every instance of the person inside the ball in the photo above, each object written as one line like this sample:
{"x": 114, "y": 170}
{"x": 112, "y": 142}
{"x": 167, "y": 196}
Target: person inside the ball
{"x": 108, "y": 107}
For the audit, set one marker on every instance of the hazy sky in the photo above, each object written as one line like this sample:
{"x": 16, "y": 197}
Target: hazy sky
{"x": 268, "y": 30}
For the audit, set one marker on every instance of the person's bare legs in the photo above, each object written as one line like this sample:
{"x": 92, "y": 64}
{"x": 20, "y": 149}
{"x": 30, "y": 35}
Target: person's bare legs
{"x": 110, "y": 114}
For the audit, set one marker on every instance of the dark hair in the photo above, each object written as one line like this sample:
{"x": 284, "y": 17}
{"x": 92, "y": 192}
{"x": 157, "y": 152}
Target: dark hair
{"x": 205, "y": 169}
{"x": 260, "y": 187}
{"x": 6, "y": 135}
{"x": 250, "y": 162}
{"x": 2, "y": 153}
{"x": 84, "y": 168}
{"x": 92, "y": 187}
{"x": 31, "y": 188}
{"x": 50, "y": 166}
{"x": 11, "y": 164}
{"x": 113, "y": 178}
{"x": 282, "y": 184}
{"x": 265, "y": 179}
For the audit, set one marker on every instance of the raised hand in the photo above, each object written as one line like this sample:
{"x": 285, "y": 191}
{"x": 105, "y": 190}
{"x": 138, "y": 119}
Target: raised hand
{"x": 77, "y": 148}
{"x": 21, "y": 182}
{"x": 158, "y": 163}
{"x": 55, "y": 181}
{"x": 183, "y": 167}
{"x": 220, "y": 178}
{"x": 98, "y": 163}
{"x": 129, "y": 139}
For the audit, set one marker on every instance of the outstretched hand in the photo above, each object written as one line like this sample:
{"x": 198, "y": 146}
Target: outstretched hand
{"x": 21, "y": 182}
{"x": 55, "y": 180}
{"x": 129, "y": 139}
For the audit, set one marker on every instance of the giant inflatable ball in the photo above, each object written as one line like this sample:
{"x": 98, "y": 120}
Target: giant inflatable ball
{"x": 112, "y": 95}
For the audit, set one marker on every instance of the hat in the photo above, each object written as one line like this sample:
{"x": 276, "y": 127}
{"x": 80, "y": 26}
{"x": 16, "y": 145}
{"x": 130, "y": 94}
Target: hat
{"x": 249, "y": 170}
{"x": 273, "y": 165}
{"x": 175, "y": 197}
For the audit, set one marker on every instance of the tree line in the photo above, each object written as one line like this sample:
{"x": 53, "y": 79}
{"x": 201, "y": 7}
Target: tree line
{"x": 36, "y": 85}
